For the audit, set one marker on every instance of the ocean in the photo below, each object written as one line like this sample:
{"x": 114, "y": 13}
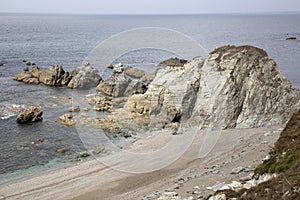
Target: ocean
{"x": 68, "y": 39}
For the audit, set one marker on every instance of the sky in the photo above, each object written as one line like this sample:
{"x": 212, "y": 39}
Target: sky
{"x": 148, "y": 6}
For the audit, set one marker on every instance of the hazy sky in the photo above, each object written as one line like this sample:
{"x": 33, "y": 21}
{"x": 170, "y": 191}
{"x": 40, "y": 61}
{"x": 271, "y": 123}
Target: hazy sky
{"x": 147, "y": 6}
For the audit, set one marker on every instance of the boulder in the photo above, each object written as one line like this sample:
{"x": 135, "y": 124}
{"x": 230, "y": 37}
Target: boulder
{"x": 85, "y": 77}
{"x": 67, "y": 120}
{"x": 26, "y": 69}
{"x": 32, "y": 114}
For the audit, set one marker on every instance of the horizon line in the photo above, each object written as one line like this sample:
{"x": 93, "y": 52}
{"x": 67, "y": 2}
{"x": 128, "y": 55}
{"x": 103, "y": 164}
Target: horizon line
{"x": 153, "y": 14}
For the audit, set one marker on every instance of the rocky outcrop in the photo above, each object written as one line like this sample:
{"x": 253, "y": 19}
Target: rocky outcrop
{"x": 32, "y": 114}
{"x": 173, "y": 62}
{"x": 82, "y": 78}
{"x": 124, "y": 83}
{"x": 53, "y": 76}
{"x": 235, "y": 87}
{"x": 85, "y": 77}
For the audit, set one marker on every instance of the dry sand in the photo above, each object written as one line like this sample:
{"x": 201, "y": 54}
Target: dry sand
{"x": 93, "y": 180}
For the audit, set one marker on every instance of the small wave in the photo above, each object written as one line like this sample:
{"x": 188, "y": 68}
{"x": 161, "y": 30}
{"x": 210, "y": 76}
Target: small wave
{"x": 10, "y": 110}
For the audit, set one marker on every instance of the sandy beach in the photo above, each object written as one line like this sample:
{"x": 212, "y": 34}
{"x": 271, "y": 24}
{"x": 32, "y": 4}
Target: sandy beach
{"x": 94, "y": 180}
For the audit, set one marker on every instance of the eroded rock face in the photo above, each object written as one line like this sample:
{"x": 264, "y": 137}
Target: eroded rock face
{"x": 32, "y": 114}
{"x": 250, "y": 91}
{"x": 234, "y": 87}
{"x": 125, "y": 83}
{"x": 85, "y": 77}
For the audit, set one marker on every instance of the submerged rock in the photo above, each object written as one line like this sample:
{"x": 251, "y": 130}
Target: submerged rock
{"x": 32, "y": 114}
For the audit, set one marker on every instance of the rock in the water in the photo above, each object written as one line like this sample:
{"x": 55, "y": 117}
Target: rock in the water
{"x": 28, "y": 63}
{"x": 234, "y": 87}
{"x": 67, "y": 120}
{"x": 53, "y": 76}
{"x": 74, "y": 109}
{"x": 100, "y": 148}
{"x": 173, "y": 62}
{"x": 84, "y": 154}
{"x": 22, "y": 77}
{"x": 26, "y": 69}
{"x": 32, "y": 114}
{"x": 62, "y": 150}
{"x": 291, "y": 38}
{"x": 86, "y": 77}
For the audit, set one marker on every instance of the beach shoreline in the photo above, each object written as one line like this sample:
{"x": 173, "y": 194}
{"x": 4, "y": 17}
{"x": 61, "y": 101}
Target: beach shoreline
{"x": 93, "y": 180}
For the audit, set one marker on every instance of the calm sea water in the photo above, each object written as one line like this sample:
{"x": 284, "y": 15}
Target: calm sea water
{"x": 67, "y": 40}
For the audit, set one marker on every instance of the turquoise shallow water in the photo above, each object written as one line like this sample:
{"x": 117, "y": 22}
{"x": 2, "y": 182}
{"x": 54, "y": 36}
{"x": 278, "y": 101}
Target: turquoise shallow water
{"x": 67, "y": 40}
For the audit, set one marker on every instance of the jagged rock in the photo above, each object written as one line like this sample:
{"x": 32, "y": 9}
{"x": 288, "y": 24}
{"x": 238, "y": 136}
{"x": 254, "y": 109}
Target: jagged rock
{"x": 52, "y": 76}
{"x": 234, "y": 87}
{"x": 162, "y": 103}
{"x": 86, "y": 77}
{"x": 67, "y": 120}
{"x": 125, "y": 83}
{"x": 118, "y": 68}
{"x": 35, "y": 72}
{"x": 173, "y": 62}
{"x": 32, "y": 114}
